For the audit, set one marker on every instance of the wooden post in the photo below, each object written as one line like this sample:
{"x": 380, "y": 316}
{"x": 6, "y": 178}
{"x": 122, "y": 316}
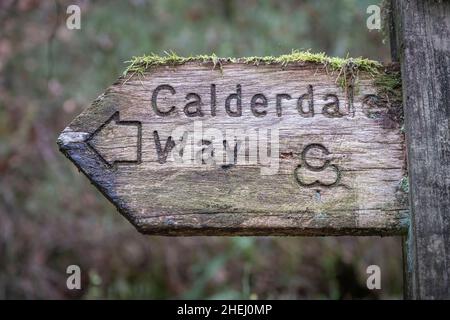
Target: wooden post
{"x": 422, "y": 31}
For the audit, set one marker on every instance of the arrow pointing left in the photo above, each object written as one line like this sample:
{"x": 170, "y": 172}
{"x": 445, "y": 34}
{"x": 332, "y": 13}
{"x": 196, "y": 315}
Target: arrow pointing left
{"x": 117, "y": 141}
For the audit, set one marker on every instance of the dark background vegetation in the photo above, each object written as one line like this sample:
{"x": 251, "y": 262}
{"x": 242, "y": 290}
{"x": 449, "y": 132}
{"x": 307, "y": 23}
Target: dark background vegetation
{"x": 51, "y": 217}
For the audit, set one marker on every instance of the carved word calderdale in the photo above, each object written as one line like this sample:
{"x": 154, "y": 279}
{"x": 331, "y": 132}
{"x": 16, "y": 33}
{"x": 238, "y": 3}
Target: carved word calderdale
{"x": 233, "y": 104}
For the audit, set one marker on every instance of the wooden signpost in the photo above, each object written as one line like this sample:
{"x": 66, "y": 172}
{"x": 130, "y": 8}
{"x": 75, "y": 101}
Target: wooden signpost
{"x": 296, "y": 145}
{"x": 421, "y": 42}
{"x": 190, "y": 148}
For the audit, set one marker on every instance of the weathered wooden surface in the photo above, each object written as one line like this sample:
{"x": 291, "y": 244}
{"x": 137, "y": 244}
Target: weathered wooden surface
{"x": 423, "y": 42}
{"x": 339, "y": 165}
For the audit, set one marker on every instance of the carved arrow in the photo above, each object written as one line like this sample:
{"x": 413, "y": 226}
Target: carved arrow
{"x": 117, "y": 141}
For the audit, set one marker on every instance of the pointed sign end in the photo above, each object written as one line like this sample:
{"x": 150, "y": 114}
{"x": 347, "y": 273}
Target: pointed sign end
{"x": 68, "y": 136}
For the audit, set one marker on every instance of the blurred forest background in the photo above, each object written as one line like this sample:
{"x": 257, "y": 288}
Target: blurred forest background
{"x": 50, "y": 215}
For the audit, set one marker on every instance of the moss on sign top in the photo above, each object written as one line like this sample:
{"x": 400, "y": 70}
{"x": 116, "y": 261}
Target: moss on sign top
{"x": 139, "y": 64}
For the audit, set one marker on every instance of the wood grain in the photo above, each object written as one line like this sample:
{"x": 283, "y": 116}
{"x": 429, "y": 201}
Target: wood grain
{"x": 360, "y": 155}
{"x": 423, "y": 42}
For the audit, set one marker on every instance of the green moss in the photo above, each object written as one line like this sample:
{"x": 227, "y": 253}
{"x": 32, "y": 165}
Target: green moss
{"x": 333, "y": 63}
{"x": 390, "y": 83}
{"x": 140, "y": 64}
{"x": 343, "y": 65}
{"x": 404, "y": 184}
{"x": 389, "y": 89}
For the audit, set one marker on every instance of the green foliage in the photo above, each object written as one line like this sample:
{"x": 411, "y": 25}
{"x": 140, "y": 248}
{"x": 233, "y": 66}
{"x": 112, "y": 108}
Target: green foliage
{"x": 239, "y": 248}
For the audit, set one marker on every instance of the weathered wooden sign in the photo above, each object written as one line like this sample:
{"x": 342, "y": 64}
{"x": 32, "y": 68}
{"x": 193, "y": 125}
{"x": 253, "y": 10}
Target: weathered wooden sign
{"x": 232, "y": 147}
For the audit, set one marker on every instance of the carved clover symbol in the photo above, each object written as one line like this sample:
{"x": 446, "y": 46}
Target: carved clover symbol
{"x": 316, "y": 168}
